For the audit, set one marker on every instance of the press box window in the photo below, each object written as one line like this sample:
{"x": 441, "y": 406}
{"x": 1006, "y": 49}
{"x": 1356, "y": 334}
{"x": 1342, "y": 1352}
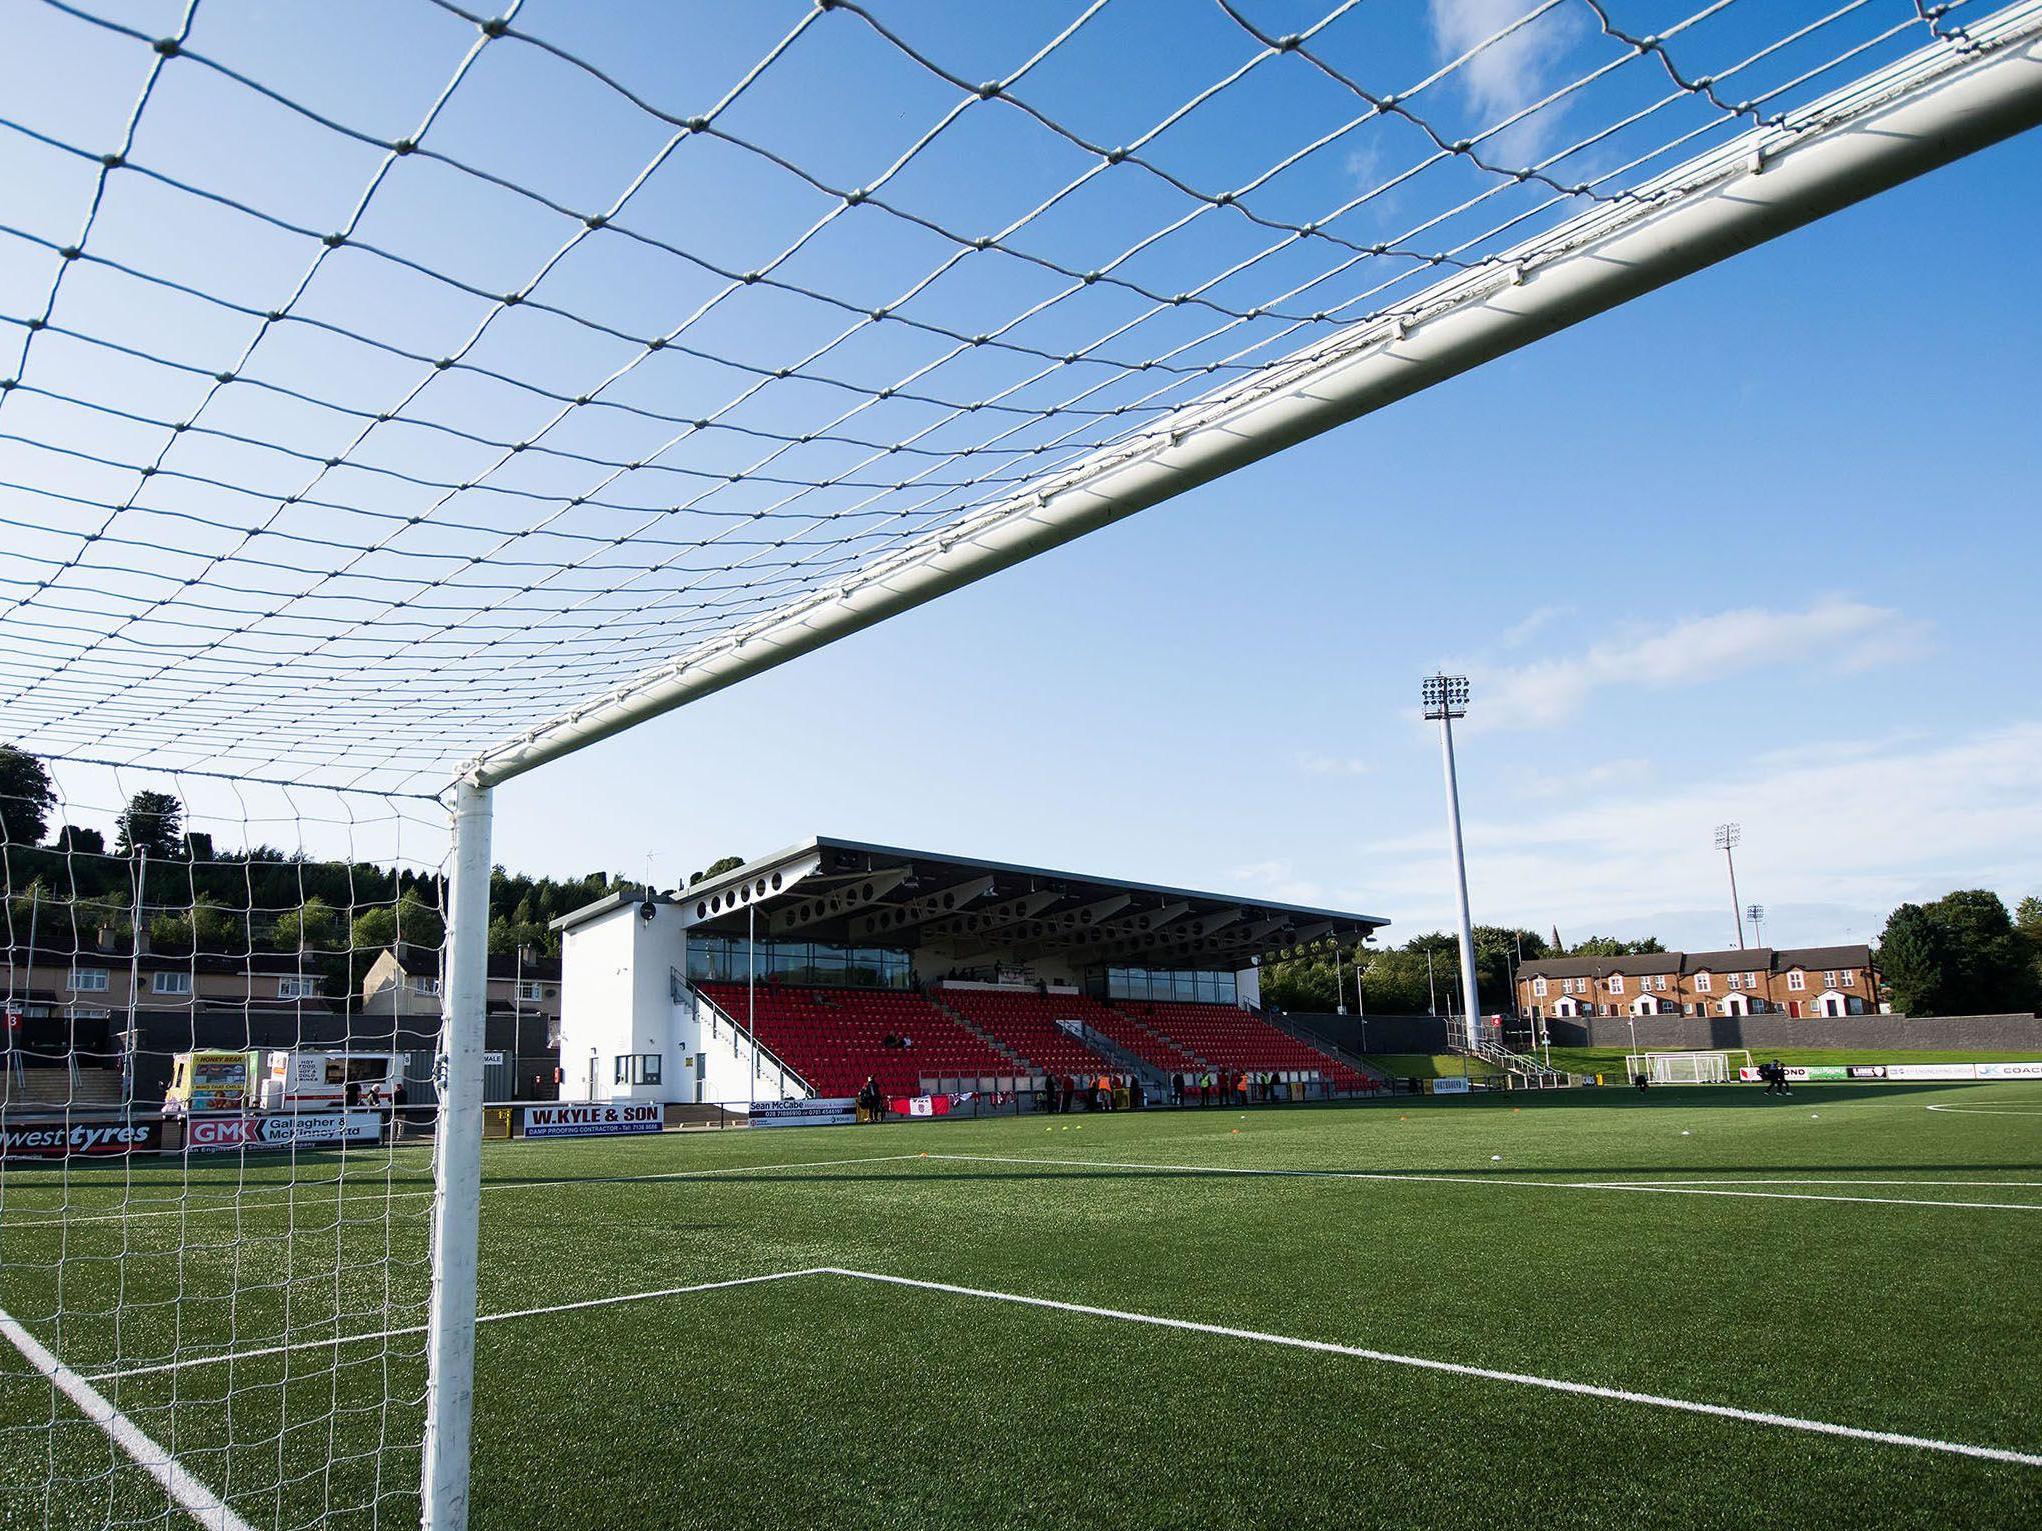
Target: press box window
{"x": 637, "y": 1068}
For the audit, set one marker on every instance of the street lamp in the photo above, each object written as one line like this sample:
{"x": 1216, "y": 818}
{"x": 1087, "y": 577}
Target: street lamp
{"x": 1756, "y": 914}
{"x": 1727, "y": 837}
{"x": 1446, "y": 698}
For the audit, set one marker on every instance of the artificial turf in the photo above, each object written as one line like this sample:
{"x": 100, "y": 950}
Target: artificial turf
{"x": 835, "y": 1400}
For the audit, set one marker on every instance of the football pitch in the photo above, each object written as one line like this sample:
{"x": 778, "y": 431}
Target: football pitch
{"x": 1691, "y": 1307}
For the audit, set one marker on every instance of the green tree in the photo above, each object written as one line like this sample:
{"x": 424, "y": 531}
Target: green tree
{"x": 153, "y": 822}
{"x": 312, "y": 926}
{"x": 216, "y": 928}
{"x": 1988, "y": 964}
{"x": 1610, "y": 946}
{"x": 75, "y": 841}
{"x": 373, "y": 929}
{"x": 1911, "y": 957}
{"x": 170, "y": 934}
{"x": 26, "y": 797}
{"x": 717, "y": 868}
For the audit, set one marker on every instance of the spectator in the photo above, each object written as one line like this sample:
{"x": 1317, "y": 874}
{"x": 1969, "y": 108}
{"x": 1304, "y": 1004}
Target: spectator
{"x": 1176, "y": 1089}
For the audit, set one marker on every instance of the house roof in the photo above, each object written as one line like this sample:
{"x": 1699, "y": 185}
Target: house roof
{"x": 1636, "y": 964}
{"x": 1859, "y": 956}
{"x": 1748, "y": 959}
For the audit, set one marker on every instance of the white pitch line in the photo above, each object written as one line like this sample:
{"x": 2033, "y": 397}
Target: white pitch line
{"x": 198, "y": 1501}
{"x": 257, "y": 1353}
{"x": 1483, "y": 1373}
{"x": 1480, "y": 1179}
{"x": 1870, "y": 1201}
{"x": 2010, "y": 1185}
{"x": 1190, "y": 1326}
{"x": 205, "y": 1208}
{"x": 1990, "y": 1110}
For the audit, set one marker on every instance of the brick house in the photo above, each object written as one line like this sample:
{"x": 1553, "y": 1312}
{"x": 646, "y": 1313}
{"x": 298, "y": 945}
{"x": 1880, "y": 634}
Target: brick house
{"x": 1759, "y": 980}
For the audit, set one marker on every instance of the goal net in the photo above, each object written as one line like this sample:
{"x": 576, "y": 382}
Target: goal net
{"x": 395, "y": 399}
{"x": 221, "y": 1004}
{"x": 1687, "y": 1067}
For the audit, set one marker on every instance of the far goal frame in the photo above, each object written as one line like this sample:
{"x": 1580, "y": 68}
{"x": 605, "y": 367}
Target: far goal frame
{"x": 1692, "y": 1066}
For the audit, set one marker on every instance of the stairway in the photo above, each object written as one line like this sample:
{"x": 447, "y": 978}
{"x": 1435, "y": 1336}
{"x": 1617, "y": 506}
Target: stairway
{"x": 1021, "y": 1064}
{"x": 1523, "y": 1070}
{"x": 57, "y": 1088}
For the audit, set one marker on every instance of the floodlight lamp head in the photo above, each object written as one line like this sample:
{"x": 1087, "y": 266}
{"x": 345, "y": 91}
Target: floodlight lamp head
{"x": 1728, "y": 836}
{"x": 1445, "y": 696}
{"x": 1754, "y": 912}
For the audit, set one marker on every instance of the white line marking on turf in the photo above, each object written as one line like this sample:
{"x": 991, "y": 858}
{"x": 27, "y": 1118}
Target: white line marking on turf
{"x": 1479, "y": 1179}
{"x": 1873, "y": 1201}
{"x": 1990, "y": 1110}
{"x": 200, "y": 1502}
{"x": 2028, "y": 1185}
{"x": 1189, "y": 1326}
{"x": 1484, "y": 1373}
{"x": 216, "y": 1359}
{"x": 234, "y": 1205}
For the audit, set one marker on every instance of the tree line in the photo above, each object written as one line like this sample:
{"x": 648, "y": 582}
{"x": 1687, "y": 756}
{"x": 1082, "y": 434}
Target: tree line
{"x": 1963, "y": 954}
{"x": 197, "y": 896}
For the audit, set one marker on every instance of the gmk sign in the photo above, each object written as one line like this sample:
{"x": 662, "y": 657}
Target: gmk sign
{"x": 66, "y": 1140}
{"x": 303, "y": 1129}
{"x": 592, "y": 1120}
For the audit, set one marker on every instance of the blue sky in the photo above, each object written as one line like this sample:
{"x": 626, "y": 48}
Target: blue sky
{"x": 1760, "y": 547}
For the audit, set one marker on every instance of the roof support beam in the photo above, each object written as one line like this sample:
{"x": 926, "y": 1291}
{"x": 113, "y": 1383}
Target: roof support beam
{"x": 895, "y": 920}
{"x": 854, "y": 895}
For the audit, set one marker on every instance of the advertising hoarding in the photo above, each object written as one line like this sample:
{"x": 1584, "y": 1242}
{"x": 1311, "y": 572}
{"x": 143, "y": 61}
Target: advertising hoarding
{"x": 592, "y": 1119}
{"x": 79, "y": 1140}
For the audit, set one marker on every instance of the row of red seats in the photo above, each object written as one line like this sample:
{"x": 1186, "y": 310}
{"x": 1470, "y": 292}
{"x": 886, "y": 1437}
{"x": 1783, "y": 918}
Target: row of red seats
{"x": 1229, "y": 1037}
{"x": 1025, "y": 1023}
{"x": 835, "y": 1038}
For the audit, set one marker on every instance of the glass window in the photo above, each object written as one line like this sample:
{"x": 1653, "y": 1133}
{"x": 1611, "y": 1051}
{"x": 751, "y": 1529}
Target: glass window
{"x": 171, "y": 983}
{"x": 89, "y": 980}
{"x": 1702, "y": 982}
{"x": 297, "y": 988}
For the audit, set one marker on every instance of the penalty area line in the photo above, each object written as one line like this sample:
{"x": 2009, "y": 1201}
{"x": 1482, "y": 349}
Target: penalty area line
{"x": 1462, "y": 1369}
{"x": 198, "y": 1501}
{"x": 223, "y": 1357}
{"x": 1478, "y": 1178}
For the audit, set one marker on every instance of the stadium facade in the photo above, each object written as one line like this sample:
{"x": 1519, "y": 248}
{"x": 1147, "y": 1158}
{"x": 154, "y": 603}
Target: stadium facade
{"x": 802, "y": 972}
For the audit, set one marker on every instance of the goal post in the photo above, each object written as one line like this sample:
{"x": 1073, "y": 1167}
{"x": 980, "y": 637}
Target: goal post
{"x": 1695, "y": 1067}
{"x": 221, "y": 1002}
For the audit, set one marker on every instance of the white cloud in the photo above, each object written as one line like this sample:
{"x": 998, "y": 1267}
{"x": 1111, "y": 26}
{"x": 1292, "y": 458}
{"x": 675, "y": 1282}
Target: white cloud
{"x": 1603, "y": 774}
{"x": 1316, "y": 764}
{"x": 1508, "y": 74}
{"x": 1278, "y": 880}
{"x": 1863, "y": 830}
{"x": 1516, "y": 636}
{"x": 1844, "y": 634}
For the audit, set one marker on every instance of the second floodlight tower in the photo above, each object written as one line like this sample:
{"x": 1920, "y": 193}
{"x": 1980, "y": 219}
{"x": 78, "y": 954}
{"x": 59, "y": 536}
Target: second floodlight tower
{"x": 1446, "y": 698}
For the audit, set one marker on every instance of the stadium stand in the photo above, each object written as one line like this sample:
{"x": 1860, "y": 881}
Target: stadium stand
{"x": 834, "y": 1038}
{"x": 1231, "y": 1038}
{"x": 1025, "y": 1023}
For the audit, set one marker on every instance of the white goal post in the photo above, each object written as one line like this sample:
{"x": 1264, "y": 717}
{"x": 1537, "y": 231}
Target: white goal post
{"x": 1688, "y": 1067}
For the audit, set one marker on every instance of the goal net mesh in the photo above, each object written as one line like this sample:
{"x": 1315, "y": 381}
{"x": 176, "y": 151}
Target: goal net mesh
{"x": 245, "y": 1287}
{"x": 383, "y": 386}
{"x": 1685, "y": 1068}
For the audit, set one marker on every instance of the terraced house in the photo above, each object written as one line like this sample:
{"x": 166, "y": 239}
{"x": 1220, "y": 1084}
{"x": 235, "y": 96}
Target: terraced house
{"x": 1759, "y": 980}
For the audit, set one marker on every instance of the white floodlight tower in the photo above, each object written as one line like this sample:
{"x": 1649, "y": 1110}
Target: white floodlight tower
{"x": 1446, "y": 698}
{"x": 1756, "y": 914}
{"x": 1727, "y": 836}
